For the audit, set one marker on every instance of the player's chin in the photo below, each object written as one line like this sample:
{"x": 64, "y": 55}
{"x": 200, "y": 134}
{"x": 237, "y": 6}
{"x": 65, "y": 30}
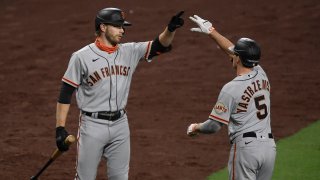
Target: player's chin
{"x": 119, "y": 38}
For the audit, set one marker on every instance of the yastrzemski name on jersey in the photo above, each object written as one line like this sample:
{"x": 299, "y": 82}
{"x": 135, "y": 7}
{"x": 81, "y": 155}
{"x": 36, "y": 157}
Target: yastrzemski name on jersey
{"x": 250, "y": 91}
{"x": 244, "y": 104}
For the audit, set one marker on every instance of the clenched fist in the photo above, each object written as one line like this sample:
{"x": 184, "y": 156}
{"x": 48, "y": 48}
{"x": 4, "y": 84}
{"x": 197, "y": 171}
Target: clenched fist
{"x": 61, "y": 135}
{"x": 192, "y": 129}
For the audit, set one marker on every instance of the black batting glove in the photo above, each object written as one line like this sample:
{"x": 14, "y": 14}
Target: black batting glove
{"x": 176, "y": 22}
{"x": 61, "y": 135}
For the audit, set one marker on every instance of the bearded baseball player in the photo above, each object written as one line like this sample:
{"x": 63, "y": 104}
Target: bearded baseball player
{"x": 244, "y": 106}
{"x": 101, "y": 74}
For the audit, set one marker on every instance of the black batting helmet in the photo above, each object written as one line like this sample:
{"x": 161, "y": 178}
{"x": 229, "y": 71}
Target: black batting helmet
{"x": 112, "y": 16}
{"x": 248, "y": 51}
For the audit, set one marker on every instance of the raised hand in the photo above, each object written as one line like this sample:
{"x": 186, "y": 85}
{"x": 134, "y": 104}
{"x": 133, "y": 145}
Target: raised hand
{"x": 176, "y": 22}
{"x": 205, "y": 26}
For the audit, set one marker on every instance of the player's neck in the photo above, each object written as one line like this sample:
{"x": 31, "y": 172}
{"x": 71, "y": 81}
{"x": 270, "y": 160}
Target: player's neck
{"x": 243, "y": 70}
{"x": 105, "y": 42}
{"x": 104, "y": 45}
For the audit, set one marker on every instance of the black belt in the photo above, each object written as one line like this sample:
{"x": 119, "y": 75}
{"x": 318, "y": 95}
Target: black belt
{"x": 252, "y": 134}
{"x": 107, "y": 115}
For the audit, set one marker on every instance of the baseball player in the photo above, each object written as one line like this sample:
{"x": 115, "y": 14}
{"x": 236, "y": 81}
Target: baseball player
{"x": 101, "y": 74}
{"x": 244, "y": 105}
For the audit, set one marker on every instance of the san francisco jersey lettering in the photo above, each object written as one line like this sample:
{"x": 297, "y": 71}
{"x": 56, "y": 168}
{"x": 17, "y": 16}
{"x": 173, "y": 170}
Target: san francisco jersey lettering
{"x": 102, "y": 79}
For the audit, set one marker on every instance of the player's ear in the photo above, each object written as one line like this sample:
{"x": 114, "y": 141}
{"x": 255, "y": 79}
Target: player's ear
{"x": 238, "y": 59}
{"x": 103, "y": 27}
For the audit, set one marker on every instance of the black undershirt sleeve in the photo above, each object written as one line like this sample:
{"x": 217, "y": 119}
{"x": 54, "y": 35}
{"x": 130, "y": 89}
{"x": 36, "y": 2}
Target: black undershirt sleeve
{"x": 66, "y": 93}
{"x": 157, "y": 48}
{"x": 210, "y": 126}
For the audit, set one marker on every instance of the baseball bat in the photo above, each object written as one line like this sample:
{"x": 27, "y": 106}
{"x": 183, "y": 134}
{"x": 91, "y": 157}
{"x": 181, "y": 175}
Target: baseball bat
{"x": 69, "y": 140}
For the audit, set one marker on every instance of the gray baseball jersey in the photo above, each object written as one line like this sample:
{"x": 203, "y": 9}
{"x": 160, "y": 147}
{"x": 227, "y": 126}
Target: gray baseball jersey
{"x": 244, "y": 105}
{"x": 102, "y": 81}
{"x": 91, "y": 70}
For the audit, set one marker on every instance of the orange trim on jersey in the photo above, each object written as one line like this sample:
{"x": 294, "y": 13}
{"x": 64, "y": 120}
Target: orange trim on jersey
{"x": 78, "y": 137}
{"x": 233, "y": 161}
{"x": 70, "y": 82}
{"x": 148, "y": 48}
{"x": 103, "y": 47}
{"x": 219, "y": 119}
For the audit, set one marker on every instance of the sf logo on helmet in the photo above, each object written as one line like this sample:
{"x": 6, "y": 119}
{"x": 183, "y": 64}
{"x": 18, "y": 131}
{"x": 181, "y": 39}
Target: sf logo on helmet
{"x": 122, "y": 15}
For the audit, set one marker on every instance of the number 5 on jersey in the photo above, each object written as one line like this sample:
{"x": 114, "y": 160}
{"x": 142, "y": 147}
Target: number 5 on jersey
{"x": 261, "y": 106}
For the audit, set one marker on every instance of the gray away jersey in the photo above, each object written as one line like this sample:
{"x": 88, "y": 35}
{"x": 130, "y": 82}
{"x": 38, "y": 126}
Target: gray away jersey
{"x": 102, "y": 79}
{"x": 244, "y": 104}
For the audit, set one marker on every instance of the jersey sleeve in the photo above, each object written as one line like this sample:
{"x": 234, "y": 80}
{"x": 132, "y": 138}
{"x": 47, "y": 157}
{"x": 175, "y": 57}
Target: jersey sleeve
{"x": 222, "y": 110}
{"x": 143, "y": 50}
{"x": 73, "y": 74}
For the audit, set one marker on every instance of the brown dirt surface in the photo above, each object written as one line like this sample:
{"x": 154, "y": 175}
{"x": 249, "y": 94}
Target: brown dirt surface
{"x": 176, "y": 89}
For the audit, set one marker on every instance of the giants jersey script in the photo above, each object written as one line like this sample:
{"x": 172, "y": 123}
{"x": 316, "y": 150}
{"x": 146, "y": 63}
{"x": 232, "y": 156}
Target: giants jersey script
{"x": 244, "y": 104}
{"x": 103, "y": 79}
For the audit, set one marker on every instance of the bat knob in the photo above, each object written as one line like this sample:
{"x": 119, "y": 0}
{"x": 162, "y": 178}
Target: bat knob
{"x": 33, "y": 178}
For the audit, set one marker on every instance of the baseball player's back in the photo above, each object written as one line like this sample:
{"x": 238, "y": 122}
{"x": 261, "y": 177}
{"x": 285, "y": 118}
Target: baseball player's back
{"x": 250, "y": 98}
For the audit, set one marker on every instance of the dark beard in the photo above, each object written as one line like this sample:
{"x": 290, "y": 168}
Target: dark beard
{"x": 110, "y": 40}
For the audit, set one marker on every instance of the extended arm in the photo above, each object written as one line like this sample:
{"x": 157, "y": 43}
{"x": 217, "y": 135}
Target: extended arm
{"x": 205, "y": 27}
{"x": 167, "y": 35}
{"x": 162, "y": 43}
{"x": 222, "y": 41}
{"x": 208, "y": 127}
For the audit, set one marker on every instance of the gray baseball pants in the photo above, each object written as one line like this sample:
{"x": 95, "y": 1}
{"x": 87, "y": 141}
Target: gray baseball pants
{"x": 102, "y": 138}
{"x": 252, "y": 159}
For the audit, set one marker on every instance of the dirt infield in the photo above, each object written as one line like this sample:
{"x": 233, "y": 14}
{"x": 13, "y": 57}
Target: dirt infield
{"x": 37, "y": 38}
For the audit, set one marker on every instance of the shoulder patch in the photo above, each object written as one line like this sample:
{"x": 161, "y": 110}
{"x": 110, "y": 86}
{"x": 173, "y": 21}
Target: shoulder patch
{"x": 220, "y": 108}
